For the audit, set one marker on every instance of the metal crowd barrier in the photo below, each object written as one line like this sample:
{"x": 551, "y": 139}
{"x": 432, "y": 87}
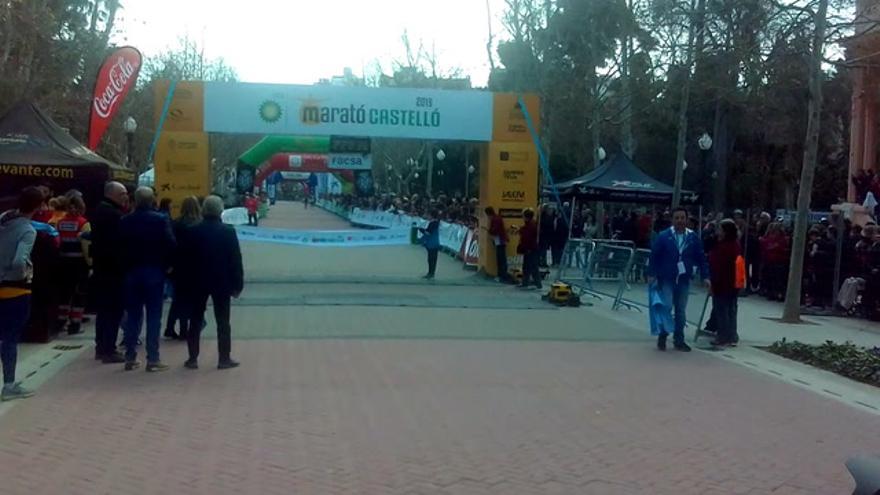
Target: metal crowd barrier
{"x": 598, "y": 261}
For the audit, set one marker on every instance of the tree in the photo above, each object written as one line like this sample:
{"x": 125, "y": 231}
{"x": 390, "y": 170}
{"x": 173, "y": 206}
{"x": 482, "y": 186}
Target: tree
{"x": 792, "y": 311}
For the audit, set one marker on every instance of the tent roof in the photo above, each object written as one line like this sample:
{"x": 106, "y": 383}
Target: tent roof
{"x": 619, "y": 180}
{"x": 28, "y": 136}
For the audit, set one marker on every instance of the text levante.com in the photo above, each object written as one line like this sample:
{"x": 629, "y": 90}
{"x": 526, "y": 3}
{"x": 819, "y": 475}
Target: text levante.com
{"x": 33, "y": 171}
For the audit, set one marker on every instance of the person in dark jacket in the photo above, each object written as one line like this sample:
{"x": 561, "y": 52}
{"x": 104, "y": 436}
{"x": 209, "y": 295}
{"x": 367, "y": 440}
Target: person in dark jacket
{"x": 722, "y": 266}
{"x": 528, "y": 248}
{"x": 560, "y": 239}
{"x": 148, "y": 244}
{"x": 547, "y": 232}
{"x": 109, "y": 272}
{"x": 183, "y": 270}
{"x": 220, "y": 277}
{"x": 431, "y": 241}
{"x": 498, "y": 234}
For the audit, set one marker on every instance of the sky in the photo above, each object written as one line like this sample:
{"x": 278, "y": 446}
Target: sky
{"x": 303, "y": 41}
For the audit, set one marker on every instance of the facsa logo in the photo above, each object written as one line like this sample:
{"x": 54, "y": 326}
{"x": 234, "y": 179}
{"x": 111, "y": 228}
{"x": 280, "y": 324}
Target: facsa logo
{"x": 347, "y": 161}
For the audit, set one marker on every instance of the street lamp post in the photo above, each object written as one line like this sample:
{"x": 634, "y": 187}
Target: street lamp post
{"x": 441, "y": 155}
{"x": 130, "y": 127}
{"x": 705, "y": 144}
{"x": 467, "y": 181}
{"x": 388, "y": 172}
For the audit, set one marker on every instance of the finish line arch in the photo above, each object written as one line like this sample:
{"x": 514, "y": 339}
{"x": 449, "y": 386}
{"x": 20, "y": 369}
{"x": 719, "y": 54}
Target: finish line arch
{"x": 187, "y": 111}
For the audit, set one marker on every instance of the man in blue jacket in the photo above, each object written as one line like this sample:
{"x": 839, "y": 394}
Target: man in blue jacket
{"x": 147, "y": 244}
{"x": 676, "y": 254}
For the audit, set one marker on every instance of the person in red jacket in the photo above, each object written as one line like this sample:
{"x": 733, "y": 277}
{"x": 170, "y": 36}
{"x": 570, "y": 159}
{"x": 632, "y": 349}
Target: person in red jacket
{"x": 498, "y": 234}
{"x": 722, "y": 266}
{"x": 775, "y": 253}
{"x": 528, "y": 247}
{"x": 253, "y": 206}
{"x": 73, "y": 269}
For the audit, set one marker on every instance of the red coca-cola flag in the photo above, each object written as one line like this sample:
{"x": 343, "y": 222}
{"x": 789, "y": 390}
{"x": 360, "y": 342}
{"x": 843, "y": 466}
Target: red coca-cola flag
{"x": 117, "y": 76}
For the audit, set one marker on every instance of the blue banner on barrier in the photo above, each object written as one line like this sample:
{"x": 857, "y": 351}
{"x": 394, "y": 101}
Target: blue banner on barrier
{"x": 336, "y": 238}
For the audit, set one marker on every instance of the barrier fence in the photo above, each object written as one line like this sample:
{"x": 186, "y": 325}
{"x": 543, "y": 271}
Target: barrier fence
{"x": 459, "y": 241}
{"x": 599, "y": 268}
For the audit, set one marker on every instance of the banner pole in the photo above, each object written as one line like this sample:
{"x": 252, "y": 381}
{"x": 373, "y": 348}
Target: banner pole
{"x": 542, "y": 159}
{"x": 162, "y": 118}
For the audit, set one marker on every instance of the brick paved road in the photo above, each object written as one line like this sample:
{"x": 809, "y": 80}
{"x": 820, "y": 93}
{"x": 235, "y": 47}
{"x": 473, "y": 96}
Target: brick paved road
{"x": 430, "y": 417}
{"x": 420, "y": 400}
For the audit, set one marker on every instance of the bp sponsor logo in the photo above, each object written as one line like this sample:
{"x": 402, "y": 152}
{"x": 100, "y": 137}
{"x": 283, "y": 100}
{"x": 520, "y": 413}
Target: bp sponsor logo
{"x": 270, "y": 111}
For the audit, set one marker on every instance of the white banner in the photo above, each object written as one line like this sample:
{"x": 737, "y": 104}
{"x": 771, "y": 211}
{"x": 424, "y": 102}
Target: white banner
{"x": 339, "y": 238}
{"x": 245, "y": 108}
{"x": 451, "y": 235}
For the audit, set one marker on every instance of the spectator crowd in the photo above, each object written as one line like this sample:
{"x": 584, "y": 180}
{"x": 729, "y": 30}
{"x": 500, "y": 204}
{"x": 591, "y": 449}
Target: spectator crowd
{"x": 765, "y": 241}
{"x": 120, "y": 258}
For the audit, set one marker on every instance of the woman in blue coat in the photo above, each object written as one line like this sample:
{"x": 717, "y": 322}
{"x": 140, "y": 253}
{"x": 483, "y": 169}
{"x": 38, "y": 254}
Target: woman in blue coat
{"x": 431, "y": 240}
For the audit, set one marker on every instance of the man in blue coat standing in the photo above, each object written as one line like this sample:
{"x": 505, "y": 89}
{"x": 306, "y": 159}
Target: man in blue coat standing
{"x": 676, "y": 254}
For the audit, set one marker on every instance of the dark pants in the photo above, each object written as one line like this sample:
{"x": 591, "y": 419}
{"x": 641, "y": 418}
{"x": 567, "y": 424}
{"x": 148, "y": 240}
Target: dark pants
{"x": 724, "y": 308}
{"x": 531, "y": 273}
{"x": 110, "y": 304}
{"x": 222, "y": 304}
{"x": 182, "y": 303}
{"x": 73, "y": 278}
{"x": 144, "y": 290}
{"x": 501, "y": 261}
{"x": 253, "y": 219}
{"x": 14, "y": 315}
{"x": 556, "y": 254}
{"x": 543, "y": 246}
{"x": 432, "y": 261}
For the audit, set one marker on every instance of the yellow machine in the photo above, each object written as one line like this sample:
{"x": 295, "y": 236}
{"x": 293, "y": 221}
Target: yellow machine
{"x": 561, "y": 295}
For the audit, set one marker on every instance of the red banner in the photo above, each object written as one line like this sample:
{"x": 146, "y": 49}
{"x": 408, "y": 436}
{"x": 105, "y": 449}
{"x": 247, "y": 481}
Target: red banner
{"x": 470, "y": 248}
{"x": 116, "y": 77}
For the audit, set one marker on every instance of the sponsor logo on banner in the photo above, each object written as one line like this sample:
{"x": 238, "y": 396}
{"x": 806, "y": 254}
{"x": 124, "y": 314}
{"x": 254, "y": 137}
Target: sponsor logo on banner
{"x": 116, "y": 77}
{"x": 295, "y": 161}
{"x": 629, "y": 183}
{"x": 331, "y": 110}
{"x": 295, "y": 175}
{"x": 351, "y": 162}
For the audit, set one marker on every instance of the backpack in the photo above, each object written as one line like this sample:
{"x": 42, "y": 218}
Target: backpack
{"x": 740, "y": 280}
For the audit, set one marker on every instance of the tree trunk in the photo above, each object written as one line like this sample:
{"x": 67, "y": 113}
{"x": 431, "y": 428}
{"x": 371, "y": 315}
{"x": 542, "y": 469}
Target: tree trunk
{"x": 685, "y": 99}
{"x": 792, "y": 311}
{"x": 626, "y": 138}
{"x": 489, "y": 47}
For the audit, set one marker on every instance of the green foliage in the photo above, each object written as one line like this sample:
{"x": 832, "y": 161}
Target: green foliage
{"x": 849, "y": 360}
{"x": 748, "y": 91}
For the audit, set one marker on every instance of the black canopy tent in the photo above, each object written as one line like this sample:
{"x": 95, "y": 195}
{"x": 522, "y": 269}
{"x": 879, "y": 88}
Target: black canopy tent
{"x": 34, "y": 151}
{"x": 619, "y": 180}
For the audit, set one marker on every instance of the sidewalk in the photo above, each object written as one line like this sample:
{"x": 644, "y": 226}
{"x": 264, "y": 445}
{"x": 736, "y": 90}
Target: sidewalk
{"x": 758, "y": 319}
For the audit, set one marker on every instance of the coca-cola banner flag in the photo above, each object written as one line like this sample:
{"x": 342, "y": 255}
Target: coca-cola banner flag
{"x": 116, "y": 77}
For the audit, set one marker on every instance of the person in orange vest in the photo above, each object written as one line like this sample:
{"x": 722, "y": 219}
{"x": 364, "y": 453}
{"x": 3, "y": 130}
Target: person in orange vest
{"x": 59, "y": 210}
{"x": 73, "y": 267}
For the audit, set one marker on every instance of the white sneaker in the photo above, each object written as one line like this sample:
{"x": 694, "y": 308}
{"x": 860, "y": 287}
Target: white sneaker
{"x": 15, "y": 391}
